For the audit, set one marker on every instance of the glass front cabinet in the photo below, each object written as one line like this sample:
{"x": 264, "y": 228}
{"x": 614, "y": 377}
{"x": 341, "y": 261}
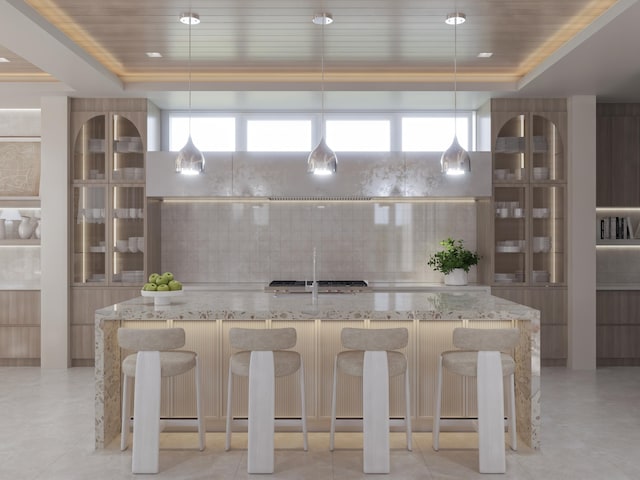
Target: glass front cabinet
{"x": 529, "y": 199}
{"x": 108, "y": 201}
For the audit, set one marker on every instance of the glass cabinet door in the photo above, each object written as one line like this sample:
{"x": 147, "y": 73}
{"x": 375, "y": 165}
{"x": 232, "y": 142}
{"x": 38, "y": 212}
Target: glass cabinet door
{"x": 547, "y": 153}
{"x": 509, "y": 151}
{"x": 548, "y": 232}
{"x": 128, "y": 234}
{"x": 128, "y": 156}
{"x": 89, "y": 234}
{"x": 510, "y": 235}
{"x": 89, "y": 152}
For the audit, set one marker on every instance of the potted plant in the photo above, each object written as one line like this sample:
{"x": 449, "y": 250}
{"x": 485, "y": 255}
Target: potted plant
{"x": 453, "y": 261}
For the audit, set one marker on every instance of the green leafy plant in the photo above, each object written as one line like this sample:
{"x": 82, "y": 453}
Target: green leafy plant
{"x": 453, "y": 256}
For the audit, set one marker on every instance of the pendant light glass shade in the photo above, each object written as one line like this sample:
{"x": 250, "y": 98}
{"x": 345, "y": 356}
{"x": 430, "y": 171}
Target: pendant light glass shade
{"x": 190, "y": 160}
{"x": 455, "y": 160}
{"x": 322, "y": 160}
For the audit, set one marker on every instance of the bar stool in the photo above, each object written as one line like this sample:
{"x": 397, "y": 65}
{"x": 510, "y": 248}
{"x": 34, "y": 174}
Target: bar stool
{"x": 263, "y": 357}
{"x": 156, "y": 357}
{"x": 371, "y": 354}
{"x": 481, "y": 354}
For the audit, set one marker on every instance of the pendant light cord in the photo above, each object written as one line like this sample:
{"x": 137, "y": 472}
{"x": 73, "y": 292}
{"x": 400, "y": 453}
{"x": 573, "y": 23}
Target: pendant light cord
{"x": 322, "y": 125}
{"x": 189, "y": 66}
{"x": 455, "y": 76}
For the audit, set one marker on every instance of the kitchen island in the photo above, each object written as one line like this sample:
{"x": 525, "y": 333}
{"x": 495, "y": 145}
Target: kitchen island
{"x": 429, "y": 317}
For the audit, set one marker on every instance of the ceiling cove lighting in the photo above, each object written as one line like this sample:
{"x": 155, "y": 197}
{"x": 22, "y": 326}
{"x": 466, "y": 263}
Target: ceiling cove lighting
{"x": 190, "y": 160}
{"x": 322, "y": 160}
{"x": 455, "y": 160}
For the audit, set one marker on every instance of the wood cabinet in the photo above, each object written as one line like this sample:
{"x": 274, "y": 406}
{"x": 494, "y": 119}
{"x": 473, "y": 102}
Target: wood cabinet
{"x": 618, "y": 155}
{"x": 618, "y": 259}
{"x": 527, "y": 238}
{"x": 20, "y": 281}
{"x": 108, "y": 211}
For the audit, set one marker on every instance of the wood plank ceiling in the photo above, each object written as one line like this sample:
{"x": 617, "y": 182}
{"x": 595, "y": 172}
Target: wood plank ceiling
{"x": 255, "y": 40}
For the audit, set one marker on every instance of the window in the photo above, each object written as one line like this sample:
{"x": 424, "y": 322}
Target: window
{"x": 279, "y": 135}
{"x": 209, "y": 134}
{"x": 434, "y": 133}
{"x": 359, "y": 135}
{"x": 287, "y": 132}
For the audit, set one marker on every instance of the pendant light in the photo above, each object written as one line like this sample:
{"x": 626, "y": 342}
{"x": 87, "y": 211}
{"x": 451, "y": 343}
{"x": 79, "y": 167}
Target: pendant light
{"x": 455, "y": 160}
{"x": 190, "y": 160}
{"x": 322, "y": 160}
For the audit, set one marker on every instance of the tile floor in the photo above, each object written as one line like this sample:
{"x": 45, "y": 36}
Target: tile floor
{"x": 590, "y": 430}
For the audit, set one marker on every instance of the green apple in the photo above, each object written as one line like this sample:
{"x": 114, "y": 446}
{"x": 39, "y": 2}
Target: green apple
{"x": 175, "y": 285}
{"x": 153, "y": 277}
{"x": 162, "y": 280}
{"x": 169, "y": 275}
{"x": 163, "y": 287}
{"x": 150, "y": 287}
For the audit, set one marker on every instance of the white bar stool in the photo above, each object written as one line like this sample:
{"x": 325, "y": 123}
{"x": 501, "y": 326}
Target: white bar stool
{"x": 371, "y": 357}
{"x": 481, "y": 355}
{"x": 156, "y": 357}
{"x": 262, "y": 358}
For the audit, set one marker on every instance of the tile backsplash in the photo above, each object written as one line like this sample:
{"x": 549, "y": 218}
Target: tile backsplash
{"x": 257, "y": 242}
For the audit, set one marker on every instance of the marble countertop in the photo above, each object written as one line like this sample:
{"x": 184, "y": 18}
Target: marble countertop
{"x": 252, "y": 305}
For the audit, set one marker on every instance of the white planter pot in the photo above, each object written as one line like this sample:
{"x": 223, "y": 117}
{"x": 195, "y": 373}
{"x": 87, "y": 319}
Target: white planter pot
{"x": 456, "y": 277}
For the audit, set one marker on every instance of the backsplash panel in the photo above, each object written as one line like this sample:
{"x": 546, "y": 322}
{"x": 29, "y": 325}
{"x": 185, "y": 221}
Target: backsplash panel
{"x": 259, "y": 242}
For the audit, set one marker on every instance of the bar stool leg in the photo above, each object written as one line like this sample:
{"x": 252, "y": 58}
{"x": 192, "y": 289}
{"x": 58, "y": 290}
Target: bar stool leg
{"x": 126, "y": 411}
{"x": 146, "y": 414}
{"x": 332, "y": 431}
{"x": 375, "y": 399}
{"x": 227, "y": 443}
{"x": 512, "y": 413}
{"x": 201, "y": 429}
{"x": 490, "y": 413}
{"x": 303, "y": 407}
{"x": 407, "y": 411}
{"x": 436, "y": 417}
{"x": 260, "y": 455}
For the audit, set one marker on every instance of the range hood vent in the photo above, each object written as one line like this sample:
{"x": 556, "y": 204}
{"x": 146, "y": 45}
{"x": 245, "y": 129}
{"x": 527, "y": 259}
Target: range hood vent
{"x": 321, "y": 199}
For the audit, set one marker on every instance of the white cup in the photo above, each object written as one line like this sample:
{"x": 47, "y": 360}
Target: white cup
{"x": 122, "y": 245}
{"x": 517, "y": 213}
{"x": 133, "y": 212}
{"x": 140, "y": 243}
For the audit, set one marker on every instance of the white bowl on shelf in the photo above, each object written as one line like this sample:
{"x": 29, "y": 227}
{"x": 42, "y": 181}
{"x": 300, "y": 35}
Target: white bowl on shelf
{"x": 162, "y": 298}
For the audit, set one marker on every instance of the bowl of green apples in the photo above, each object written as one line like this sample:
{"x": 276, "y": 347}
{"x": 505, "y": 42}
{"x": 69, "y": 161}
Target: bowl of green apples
{"x": 162, "y": 288}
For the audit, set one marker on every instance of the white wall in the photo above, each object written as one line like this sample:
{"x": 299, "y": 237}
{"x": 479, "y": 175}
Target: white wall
{"x": 581, "y": 227}
{"x": 54, "y": 195}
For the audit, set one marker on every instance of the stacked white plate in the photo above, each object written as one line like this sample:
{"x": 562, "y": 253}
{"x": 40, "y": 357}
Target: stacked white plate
{"x": 504, "y": 277}
{"x": 540, "y": 212}
{"x": 541, "y": 244}
{"x": 540, "y": 173}
{"x": 540, "y": 276}
{"x": 132, "y": 276}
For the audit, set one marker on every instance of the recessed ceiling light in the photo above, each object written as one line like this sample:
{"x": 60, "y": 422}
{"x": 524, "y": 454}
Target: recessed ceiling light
{"x": 322, "y": 18}
{"x": 154, "y": 54}
{"x": 485, "y": 55}
{"x": 189, "y": 18}
{"x": 4, "y": 60}
{"x": 455, "y": 18}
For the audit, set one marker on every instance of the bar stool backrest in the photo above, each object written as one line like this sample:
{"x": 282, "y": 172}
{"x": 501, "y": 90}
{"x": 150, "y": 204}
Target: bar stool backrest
{"x": 374, "y": 339}
{"x": 262, "y": 339}
{"x": 495, "y": 339}
{"x": 151, "y": 339}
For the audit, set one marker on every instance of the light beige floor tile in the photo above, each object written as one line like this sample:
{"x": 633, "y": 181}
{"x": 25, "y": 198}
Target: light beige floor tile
{"x": 590, "y": 431}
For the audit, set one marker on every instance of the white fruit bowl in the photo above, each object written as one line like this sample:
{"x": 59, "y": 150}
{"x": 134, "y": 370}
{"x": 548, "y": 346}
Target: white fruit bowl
{"x": 162, "y": 298}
